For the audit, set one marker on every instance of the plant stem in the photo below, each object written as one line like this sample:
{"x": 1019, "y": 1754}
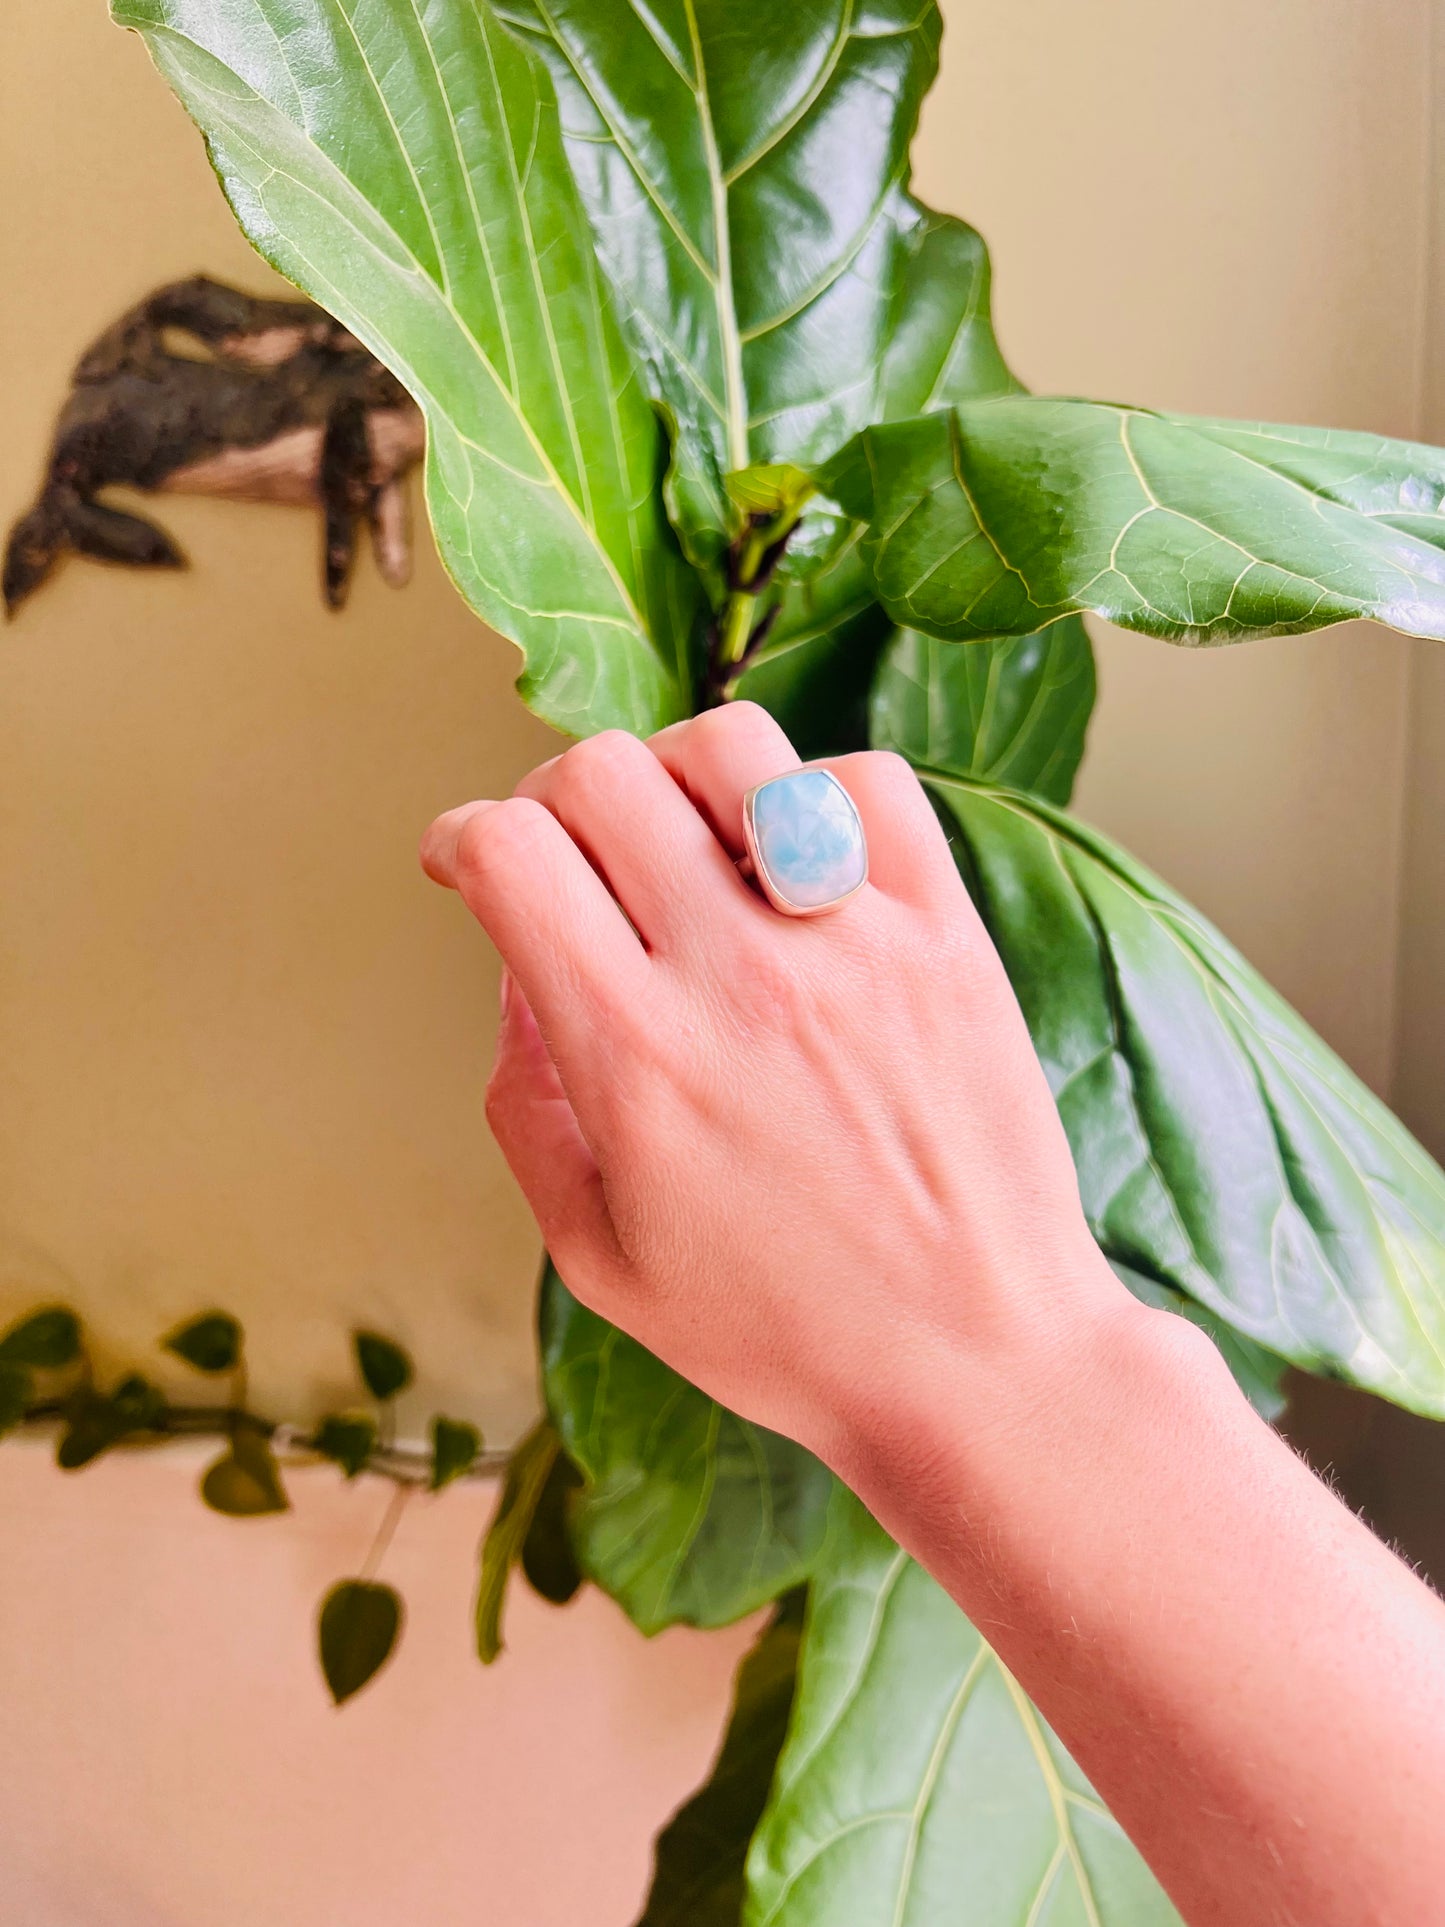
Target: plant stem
{"x": 405, "y": 1465}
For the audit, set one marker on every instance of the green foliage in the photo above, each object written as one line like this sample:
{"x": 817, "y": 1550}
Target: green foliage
{"x": 549, "y": 1560}
{"x": 212, "y": 1342}
{"x": 356, "y": 1633}
{"x": 410, "y": 174}
{"x": 347, "y": 1437}
{"x": 650, "y": 272}
{"x": 690, "y": 1514}
{"x": 245, "y": 1482}
{"x": 385, "y": 1368}
{"x": 528, "y": 1471}
{"x": 998, "y": 517}
{"x": 916, "y": 1772}
{"x": 44, "y": 1340}
{"x": 1012, "y": 711}
{"x": 454, "y": 1449}
{"x": 1221, "y": 1148}
{"x": 698, "y": 1877}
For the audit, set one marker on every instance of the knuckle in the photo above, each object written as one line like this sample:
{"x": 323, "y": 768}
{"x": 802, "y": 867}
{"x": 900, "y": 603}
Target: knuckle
{"x": 893, "y": 773}
{"x": 745, "y": 722}
{"x": 600, "y": 761}
{"x": 496, "y": 841}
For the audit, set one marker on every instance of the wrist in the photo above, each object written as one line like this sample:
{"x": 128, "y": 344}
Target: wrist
{"x": 962, "y": 1434}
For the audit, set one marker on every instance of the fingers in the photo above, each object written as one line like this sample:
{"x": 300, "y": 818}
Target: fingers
{"x": 537, "y": 1130}
{"x": 720, "y": 755}
{"x": 579, "y": 965}
{"x": 908, "y": 854}
{"x": 623, "y": 810}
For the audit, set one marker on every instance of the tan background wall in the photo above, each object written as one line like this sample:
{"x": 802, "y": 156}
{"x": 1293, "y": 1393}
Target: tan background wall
{"x": 242, "y": 1044}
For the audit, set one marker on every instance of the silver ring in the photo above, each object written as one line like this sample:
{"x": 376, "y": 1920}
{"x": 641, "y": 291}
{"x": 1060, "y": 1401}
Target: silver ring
{"x": 806, "y": 847}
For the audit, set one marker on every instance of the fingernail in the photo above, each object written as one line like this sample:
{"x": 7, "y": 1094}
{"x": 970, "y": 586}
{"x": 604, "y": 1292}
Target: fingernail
{"x": 506, "y": 992}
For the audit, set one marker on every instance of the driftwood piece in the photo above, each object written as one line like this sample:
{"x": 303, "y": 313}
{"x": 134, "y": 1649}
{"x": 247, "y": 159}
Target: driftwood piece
{"x": 203, "y": 390}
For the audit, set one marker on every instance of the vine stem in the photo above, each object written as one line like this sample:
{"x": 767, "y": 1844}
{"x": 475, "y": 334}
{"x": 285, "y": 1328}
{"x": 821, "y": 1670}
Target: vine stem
{"x": 405, "y": 1465}
{"x": 386, "y": 1531}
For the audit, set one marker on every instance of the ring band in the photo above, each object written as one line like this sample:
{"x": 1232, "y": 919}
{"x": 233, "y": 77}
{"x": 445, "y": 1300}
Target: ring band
{"x": 806, "y": 847}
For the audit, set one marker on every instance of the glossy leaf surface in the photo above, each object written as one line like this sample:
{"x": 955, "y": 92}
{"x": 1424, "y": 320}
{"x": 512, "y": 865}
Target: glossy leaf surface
{"x": 1222, "y": 1149}
{"x": 744, "y": 181}
{"x": 1013, "y": 710}
{"x": 998, "y": 517}
{"x": 690, "y": 1513}
{"x": 698, "y": 1869}
{"x": 404, "y": 165}
{"x": 816, "y": 667}
{"x": 918, "y": 1783}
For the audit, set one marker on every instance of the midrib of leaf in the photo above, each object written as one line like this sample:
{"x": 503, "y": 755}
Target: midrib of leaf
{"x": 732, "y": 347}
{"x": 328, "y": 168}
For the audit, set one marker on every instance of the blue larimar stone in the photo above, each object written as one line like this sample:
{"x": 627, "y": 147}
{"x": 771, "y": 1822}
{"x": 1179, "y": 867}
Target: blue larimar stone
{"x": 809, "y": 838}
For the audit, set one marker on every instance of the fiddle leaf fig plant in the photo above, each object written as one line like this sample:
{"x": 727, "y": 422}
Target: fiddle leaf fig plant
{"x": 715, "y": 408}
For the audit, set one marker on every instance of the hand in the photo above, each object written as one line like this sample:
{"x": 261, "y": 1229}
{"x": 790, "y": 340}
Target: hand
{"x": 807, "y": 1162}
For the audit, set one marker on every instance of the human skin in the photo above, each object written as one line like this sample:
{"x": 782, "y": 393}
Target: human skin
{"x": 815, "y": 1166}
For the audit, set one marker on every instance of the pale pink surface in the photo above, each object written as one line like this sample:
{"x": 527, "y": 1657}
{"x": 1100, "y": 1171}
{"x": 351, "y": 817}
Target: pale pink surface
{"x": 171, "y": 1759}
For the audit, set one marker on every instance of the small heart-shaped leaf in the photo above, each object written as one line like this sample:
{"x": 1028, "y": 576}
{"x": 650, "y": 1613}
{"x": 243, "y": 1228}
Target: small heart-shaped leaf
{"x": 14, "y": 1395}
{"x": 45, "y": 1340}
{"x": 347, "y": 1437}
{"x": 384, "y": 1366}
{"x": 454, "y": 1449}
{"x": 245, "y": 1482}
{"x": 356, "y": 1632}
{"x": 212, "y": 1342}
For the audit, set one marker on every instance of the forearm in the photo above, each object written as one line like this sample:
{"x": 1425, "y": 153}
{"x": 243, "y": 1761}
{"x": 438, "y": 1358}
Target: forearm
{"x": 1207, "y": 1628}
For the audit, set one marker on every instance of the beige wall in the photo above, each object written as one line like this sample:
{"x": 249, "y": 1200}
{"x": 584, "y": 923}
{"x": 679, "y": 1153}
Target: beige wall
{"x": 242, "y": 1044}
{"x": 1419, "y": 1083}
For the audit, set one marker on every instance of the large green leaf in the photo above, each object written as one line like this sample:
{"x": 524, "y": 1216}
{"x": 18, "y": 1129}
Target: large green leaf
{"x": 690, "y": 1513}
{"x": 698, "y": 1876}
{"x": 744, "y": 172}
{"x": 816, "y": 667}
{"x": 405, "y": 166}
{"x": 1222, "y": 1149}
{"x": 1013, "y": 710}
{"x": 918, "y": 1784}
{"x": 998, "y": 517}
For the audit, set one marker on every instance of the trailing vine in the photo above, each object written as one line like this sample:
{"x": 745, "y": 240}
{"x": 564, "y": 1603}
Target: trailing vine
{"x": 48, "y": 1383}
